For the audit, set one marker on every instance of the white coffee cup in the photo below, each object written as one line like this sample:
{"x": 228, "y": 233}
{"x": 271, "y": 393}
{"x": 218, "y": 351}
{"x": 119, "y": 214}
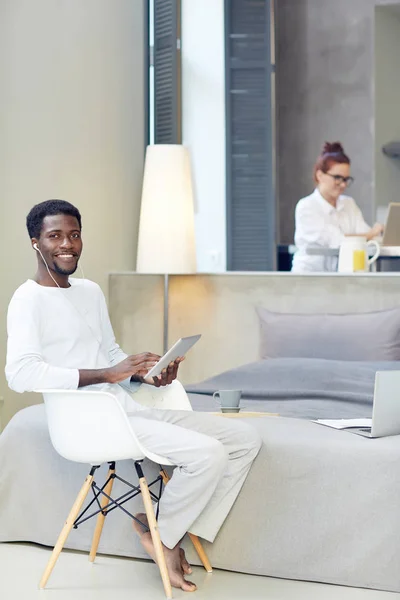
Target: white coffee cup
{"x": 229, "y": 400}
{"x": 353, "y": 254}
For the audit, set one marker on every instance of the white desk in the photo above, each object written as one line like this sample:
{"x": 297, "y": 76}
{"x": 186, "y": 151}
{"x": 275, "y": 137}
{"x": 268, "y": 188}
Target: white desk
{"x": 387, "y": 253}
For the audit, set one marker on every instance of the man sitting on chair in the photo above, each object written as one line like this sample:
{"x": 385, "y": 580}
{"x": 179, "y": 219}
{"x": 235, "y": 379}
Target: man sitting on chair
{"x": 60, "y": 337}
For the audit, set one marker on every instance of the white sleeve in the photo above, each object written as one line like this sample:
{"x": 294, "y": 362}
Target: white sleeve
{"x": 360, "y": 226}
{"x": 311, "y": 229}
{"x": 26, "y": 370}
{"x": 110, "y": 346}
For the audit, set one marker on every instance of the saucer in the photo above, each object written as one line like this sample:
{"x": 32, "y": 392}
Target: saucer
{"x": 230, "y": 409}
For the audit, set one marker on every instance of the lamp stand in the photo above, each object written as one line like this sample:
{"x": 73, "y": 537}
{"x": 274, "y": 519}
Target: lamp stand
{"x": 166, "y": 291}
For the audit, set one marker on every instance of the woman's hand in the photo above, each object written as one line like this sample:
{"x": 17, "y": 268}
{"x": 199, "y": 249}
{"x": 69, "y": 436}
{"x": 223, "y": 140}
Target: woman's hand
{"x": 375, "y": 231}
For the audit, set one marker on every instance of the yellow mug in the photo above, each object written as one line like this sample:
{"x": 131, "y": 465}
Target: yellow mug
{"x": 359, "y": 259}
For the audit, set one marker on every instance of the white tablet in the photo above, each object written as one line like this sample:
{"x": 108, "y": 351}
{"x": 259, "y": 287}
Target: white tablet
{"x": 179, "y": 349}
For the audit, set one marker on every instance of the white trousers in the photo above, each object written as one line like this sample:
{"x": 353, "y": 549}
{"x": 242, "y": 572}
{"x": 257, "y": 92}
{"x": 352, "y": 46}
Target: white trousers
{"x": 212, "y": 454}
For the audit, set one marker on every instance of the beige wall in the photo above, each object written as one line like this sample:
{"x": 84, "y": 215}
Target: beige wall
{"x": 222, "y": 308}
{"x": 72, "y": 127}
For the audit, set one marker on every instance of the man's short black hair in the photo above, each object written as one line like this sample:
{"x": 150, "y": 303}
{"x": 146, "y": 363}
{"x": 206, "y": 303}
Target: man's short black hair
{"x": 49, "y": 208}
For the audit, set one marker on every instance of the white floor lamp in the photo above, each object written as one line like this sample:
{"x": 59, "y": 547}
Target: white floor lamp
{"x": 166, "y": 242}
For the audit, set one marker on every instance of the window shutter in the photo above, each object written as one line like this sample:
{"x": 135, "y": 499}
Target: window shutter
{"x": 249, "y": 158}
{"x": 167, "y": 69}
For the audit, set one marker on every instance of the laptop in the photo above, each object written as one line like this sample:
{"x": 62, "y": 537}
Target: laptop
{"x": 391, "y": 234}
{"x": 386, "y": 407}
{"x": 385, "y": 413}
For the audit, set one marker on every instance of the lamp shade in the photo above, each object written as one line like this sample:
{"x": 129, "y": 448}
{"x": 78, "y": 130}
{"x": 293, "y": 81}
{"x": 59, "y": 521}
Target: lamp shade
{"x": 166, "y": 229}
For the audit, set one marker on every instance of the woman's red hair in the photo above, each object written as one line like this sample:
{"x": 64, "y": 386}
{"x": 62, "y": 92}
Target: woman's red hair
{"x": 331, "y": 154}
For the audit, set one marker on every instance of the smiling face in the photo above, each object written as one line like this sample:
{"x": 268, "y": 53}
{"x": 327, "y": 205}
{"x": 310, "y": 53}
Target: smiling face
{"x": 60, "y": 243}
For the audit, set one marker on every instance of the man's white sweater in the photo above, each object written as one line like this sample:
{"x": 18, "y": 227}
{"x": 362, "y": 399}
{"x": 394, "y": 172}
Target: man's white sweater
{"x": 53, "y": 332}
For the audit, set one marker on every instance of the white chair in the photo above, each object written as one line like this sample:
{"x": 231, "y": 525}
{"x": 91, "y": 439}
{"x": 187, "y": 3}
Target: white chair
{"x": 92, "y": 427}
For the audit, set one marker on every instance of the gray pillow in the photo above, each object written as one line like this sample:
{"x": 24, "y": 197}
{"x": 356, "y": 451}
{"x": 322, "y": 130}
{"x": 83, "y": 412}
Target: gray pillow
{"x": 359, "y": 336}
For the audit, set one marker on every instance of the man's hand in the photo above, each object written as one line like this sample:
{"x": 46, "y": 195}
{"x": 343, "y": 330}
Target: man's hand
{"x": 167, "y": 375}
{"x": 136, "y": 365}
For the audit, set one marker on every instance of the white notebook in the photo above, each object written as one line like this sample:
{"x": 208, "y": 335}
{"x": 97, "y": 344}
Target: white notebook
{"x": 345, "y": 423}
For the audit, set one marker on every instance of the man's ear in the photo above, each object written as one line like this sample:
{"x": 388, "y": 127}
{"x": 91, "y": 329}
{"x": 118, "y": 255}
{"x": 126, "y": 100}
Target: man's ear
{"x": 35, "y": 244}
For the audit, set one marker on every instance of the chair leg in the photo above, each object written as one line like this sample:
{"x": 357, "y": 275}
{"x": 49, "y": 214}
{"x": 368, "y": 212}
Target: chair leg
{"x": 194, "y": 539}
{"x": 155, "y": 535}
{"x": 201, "y": 552}
{"x": 101, "y": 518}
{"x": 80, "y": 499}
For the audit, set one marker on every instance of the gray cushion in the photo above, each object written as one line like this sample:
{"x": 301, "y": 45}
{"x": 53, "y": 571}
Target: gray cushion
{"x": 361, "y": 336}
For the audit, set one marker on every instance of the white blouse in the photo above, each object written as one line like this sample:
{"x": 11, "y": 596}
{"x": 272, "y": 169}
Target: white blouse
{"x": 318, "y": 223}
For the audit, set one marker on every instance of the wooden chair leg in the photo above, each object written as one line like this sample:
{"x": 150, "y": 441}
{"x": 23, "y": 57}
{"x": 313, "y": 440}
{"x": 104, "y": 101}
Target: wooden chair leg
{"x": 101, "y": 518}
{"x": 194, "y": 539}
{"x": 201, "y": 552}
{"x": 76, "y": 507}
{"x": 155, "y": 536}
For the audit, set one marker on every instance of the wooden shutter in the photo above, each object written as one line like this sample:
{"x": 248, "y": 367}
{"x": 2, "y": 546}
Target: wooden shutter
{"x": 167, "y": 72}
{"x": 249, "y": 159}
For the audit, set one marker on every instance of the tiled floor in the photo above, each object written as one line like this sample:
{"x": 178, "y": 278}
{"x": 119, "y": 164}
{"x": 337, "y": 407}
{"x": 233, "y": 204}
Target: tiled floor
{"x": 111, "y": 578}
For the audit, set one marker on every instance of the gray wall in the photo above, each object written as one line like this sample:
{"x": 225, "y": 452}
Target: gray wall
{"x": 325, "y": 91}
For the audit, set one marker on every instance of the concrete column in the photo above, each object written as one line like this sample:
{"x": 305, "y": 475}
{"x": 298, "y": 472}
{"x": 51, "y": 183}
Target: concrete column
{"x": 325, "y": 91}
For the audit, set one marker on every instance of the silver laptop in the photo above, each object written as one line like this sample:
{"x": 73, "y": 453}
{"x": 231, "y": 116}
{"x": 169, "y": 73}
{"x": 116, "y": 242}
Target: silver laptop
{"x": 391, "y": 234}
{"x": 386, "y": 408}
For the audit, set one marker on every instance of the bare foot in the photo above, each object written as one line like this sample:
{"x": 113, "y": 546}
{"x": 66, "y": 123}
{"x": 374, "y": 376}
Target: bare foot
{"x": 175, "y": 559}
{"x": 186, "y": 568}
{"x": 137, "y": 527}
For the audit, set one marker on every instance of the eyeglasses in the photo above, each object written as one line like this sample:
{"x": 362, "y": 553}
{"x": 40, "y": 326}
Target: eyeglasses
{"x": 339, "y": 179}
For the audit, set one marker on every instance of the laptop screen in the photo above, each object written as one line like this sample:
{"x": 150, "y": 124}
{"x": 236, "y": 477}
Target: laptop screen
{"x": 391, "y": 235}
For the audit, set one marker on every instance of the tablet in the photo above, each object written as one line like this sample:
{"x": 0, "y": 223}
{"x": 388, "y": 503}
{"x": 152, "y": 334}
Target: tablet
{"x": 179, "y": 349}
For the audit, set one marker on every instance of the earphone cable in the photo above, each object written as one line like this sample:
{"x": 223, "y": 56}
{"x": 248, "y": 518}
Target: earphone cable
{"x": 67, "y": 298}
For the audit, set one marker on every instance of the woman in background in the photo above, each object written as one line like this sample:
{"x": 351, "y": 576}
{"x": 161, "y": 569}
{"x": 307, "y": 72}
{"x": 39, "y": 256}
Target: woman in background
{"x": 326, "y": 216}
